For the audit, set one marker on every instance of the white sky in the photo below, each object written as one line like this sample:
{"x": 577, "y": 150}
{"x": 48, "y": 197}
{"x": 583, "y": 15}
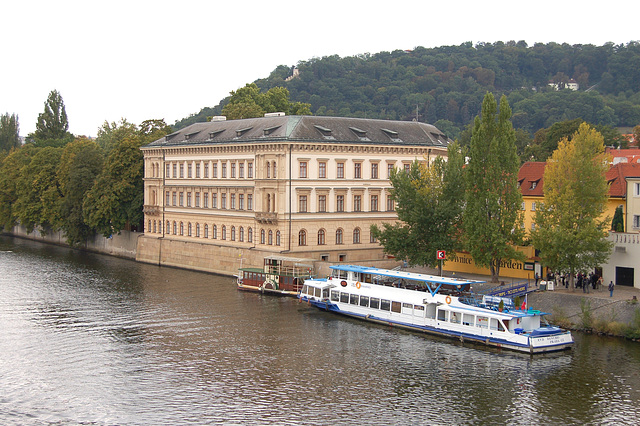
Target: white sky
{"x": 140, "y": 59}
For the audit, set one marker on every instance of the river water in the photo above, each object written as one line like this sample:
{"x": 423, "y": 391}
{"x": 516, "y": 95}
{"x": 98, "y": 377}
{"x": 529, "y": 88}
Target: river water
{"x": 92, "y": 339}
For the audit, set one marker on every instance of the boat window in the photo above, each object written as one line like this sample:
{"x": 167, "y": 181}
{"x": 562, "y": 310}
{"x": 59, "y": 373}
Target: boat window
{"x": 385, "y": 305}
{"x": 325, "y": 293}
{"x": 318, "y": 292}
{"x": 367, "y": 278}
{"x": 335, "y": 296}
{"x": 396, "y": 307}
{"x": 455, "y": 317}
{"x": 442, "y": 315}
{"x": 418, "y": 310}
{"x": 482, "y": 322}
{"x": 467, "y": 319}
{"x": 364, "y": 301}
{"x": 344, "y": 297}
{"x": 304, "y": 289}
{"x": 374, "y": 303}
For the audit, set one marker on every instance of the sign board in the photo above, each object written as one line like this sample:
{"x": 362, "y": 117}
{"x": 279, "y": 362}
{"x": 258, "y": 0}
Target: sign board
{"x": 441, "y": 255}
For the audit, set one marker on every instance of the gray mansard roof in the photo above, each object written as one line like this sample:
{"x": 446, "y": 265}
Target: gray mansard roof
{"x": 306, "y": 128}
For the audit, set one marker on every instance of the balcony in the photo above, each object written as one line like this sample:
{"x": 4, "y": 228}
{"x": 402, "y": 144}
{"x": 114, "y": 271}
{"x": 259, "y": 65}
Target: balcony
{"x": 151, "y": 210}
{"x": 267, "y": 218}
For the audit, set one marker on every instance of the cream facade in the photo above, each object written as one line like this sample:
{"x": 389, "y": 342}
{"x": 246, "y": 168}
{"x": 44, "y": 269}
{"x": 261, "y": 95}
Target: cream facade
{"x": 306, "y": 186}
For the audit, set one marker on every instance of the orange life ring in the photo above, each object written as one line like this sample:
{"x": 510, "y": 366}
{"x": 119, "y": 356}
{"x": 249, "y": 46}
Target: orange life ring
{"x": 358, "y": 285}
{"x": 447, "y": 299}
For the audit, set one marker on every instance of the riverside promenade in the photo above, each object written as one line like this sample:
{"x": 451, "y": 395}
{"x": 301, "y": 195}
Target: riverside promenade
{"x": 565, "y": 302}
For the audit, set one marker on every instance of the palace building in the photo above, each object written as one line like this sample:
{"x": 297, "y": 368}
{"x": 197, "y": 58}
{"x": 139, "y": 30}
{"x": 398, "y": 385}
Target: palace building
{"x": 303, "y": 186}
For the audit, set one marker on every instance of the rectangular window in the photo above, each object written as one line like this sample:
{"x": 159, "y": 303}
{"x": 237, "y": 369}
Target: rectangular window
{"x": 174, "y": 198}
{"x": 636, "y": 221}
{"x": 357, "y": 170}
{"x": 390, "y": 204}
{"x": 250, "y": 170}
{"x": 637, "y": 189}
{"x": 214, "y": 201}
{"x": 168, "y": 169}
{"x": 374, "y": 203}
{"x": 364, "y": 301}
{"x": 205, "y": 200}
{"x": 188, "y": 199}
{"x": 206, "y": 170}
{"x": 303, "y": 169}
{"x": 167, "y": 198}
{"x": 344, "y": 297}
{"x": 374, "y": 171}
{"x": 533, "y": 206}
{"x": 322, "y": 170}
{"x": 385, "y": 305}
{"x": 340, "y": 171}
{"x": 181, "y": 198}
{"x": 302, "y": 205}
{"x": 340, "y": 203}
{"x": 249, "y": 201}
{"x": 189, "y": 170}
{"x": 175, "y": 170}
{"x": 223, "y": 201}
{"x": 407, "y": 167}
{"x": 224, "y": 170}
{"x": 524, "y": 206}
{"x": 215, "y": 170}
{"x": 197, "y": 199}
{"x": 241, "y": 170}
{"x": 241, "y": 202}
{"x": 374, "y": 303}
{"x": 182, "y": 170}
{"x": 233, "y": 201}
{"x": 389, "y": 169}
{"x": 353, "y": 299}
{"x": 233, "y": 170}
{"x": 357, "y": 203}
{"x": 322, "y": 203}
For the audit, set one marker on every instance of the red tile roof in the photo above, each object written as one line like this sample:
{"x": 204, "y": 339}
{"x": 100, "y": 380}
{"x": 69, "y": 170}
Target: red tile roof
{"x": 530, "y": 178}
{"x": 616, "y": 178}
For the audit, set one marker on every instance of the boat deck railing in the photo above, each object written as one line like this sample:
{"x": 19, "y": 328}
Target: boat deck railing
{"x": 288, "y": 270}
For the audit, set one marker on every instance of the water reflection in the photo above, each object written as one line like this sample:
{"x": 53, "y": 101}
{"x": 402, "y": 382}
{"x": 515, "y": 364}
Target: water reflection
{"x": 96, "y": 339}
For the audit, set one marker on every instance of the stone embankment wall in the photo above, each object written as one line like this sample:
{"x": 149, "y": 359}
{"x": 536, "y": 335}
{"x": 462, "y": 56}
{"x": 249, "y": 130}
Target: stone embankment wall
{"x": 123, "y": 244}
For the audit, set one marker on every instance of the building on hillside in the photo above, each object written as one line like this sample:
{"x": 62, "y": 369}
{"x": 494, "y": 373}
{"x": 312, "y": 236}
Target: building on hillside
{"x": 619, "y": 155}
{"x": 300, "y": 185}
{"x": 530, "y": 181}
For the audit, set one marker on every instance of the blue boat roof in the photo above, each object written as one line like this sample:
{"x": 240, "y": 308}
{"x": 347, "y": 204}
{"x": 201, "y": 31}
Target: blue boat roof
{"x": 414, "y": 276}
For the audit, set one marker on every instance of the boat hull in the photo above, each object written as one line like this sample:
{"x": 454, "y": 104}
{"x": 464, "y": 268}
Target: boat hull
{"x": 264, "y": 290}
{"x": 526, "y": 344}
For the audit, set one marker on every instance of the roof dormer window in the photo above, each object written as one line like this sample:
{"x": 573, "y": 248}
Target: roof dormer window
{"x": 361, "y": 134}
{"x": 393, "y": 135}
{"x": 326, "y": 133}
{"x": 241, "y": 132}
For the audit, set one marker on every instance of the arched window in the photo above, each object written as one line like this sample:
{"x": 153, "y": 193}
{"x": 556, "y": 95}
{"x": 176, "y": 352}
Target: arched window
{"x": 224, "y": 232}
{"x": 277, "y": 238}
{"x": 274, "y": 170}
{"x": 175, "y": 228}
{"x": 356, "y": 236}
{"x": 198, "y": 230}
{"x": 206, "y": 230}
{"x": 189, "y": 229}
{"x": 149, "y": 226}
{"x": 181, "y": 228}
{"x": 302, "y": 238}
{"x": 155, "y": 225}
{"x": 322, "y": 237}
{"x": 233, "y": 233}
{"x": 214, "y": 231}
{"x": 241, "y": 234}
{"x": 250, "y": 235}
{"x": 168, "y": 228}
{"x": 339, "y": 236}
{"x": 270, "y": 237}
{"x": 262, "y": 236}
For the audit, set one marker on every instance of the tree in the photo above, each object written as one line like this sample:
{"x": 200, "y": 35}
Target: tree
{"x": 249, "y": 102}
{"x": 570, "y": 231}
{"x": 52, "y": 124}
{"x": 80, "y": 164}
{"x": 9, "y": 132}
{"x": 10, "y": 171}
{"x": 429, "y": 204}
{"x": 38, "y": 191}
{"x": 617, "y": 224}
{"x": 493, "y": 215}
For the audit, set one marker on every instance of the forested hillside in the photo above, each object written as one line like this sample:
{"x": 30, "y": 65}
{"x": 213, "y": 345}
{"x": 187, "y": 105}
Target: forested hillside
{"x": 445, "y": 85}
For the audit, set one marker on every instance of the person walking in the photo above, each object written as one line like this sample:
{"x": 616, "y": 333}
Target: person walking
{"x": 611, "y": 289}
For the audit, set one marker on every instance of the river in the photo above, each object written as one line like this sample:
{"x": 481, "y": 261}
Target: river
{"x": 92, "y": 339}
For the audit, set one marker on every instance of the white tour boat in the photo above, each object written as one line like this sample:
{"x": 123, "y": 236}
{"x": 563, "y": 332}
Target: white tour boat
{"x": 434, "y": 305}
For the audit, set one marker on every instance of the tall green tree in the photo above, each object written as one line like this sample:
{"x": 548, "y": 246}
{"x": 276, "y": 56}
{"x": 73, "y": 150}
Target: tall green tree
{"x": 10, "y": 172}
{"x": 9, "y": 132}
{"x": 617, "y": 224}
{"x": 115, "y": 201}
{"x": 570, "y": 231}
{"x": 493, "y": 215}
{"x": 429, "y": 204}
{"x": 52, "y": 128}
{"x": 80, "y": 165}
{"x": 38, "y": 191}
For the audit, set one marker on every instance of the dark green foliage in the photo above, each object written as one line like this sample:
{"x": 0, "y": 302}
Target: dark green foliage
{"x": 617, "y": 224}
{"x": 449, "y": 83}
{"x": 9, "y": 132}
{"x": 52, "y": 126}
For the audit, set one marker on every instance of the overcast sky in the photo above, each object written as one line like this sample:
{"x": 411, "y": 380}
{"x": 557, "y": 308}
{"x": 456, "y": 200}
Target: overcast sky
{"x": 167, "y": 59}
